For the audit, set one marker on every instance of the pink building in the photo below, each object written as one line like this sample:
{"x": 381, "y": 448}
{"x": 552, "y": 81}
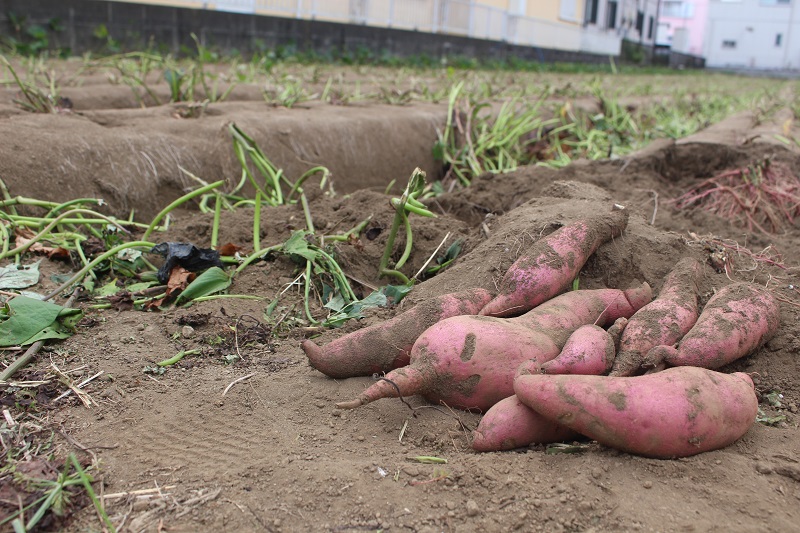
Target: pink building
{"x": 681, "y": 25}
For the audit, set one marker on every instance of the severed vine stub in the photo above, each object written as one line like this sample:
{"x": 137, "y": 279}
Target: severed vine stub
{"x": 763, "y": 196}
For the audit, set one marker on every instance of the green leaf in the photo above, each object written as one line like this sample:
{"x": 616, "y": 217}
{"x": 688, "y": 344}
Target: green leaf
{"x": 298, "y": 245}
{"x": 559, "y": 447}
{"x": 19, "y": 276}
{"x": 396, "y": 292}
{"x": 26, "y": 318}
{"x": 353, "y": 309}
{"x": 427, "y": 459}
{"x": 438, "y": 151}
{"x": 762, "y": 418}
{"x": 108, "y": 289}
{"x": 30, "y": 320}
{"x": 212, "y": 280}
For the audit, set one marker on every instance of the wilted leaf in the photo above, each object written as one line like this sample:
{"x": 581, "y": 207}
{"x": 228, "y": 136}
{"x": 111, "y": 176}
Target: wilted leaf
{"x": 121, "y": 301}
{"x": 228, "y": 249}
{"x": 179, "y": 280}
{"x": 19, "y": 276}
{"x": 59, "y": 253}
{"x": 24, "y": 236}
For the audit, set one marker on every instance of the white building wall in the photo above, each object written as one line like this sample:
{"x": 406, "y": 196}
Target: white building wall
{"x": 760, "y": 34}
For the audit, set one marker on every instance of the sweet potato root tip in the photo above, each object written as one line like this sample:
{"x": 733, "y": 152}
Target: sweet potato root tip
{"x": 406, "y": 381}
{"x": 352, "y": 404}
{"x": 312, "y": 351}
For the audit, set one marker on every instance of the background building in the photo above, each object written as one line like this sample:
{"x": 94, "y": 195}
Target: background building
{"x": 760, "y": 34}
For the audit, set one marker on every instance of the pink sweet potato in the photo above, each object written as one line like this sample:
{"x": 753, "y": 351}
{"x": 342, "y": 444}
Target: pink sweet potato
{"x": 553, "y": 263}
{"x": 386, "y": 346}
{"x": 589, "y": 350}
{"x": 469, "y": 362}
{"x": 511, "y": 424}
{"x": 735, "y": 322}
{"x": 663, "y": 321}
{"x": 675, "y": 413}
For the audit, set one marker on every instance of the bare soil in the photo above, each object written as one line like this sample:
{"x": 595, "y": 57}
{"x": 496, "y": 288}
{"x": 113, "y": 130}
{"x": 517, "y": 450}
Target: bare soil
{"x": 270, "y": 452}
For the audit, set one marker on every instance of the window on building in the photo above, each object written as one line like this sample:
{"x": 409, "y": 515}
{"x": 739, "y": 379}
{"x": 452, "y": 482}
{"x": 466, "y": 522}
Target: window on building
{"x": 518, "y": 7}
{"x": 568, "y": 10}
{"x": 729, "y": 44}
{"x": 591, "y": 11}
{"x": 677, "y": 9}
{"x": 778, "y": 39}
{"x": 611, "y": 15}
{"x": 640, "y": 21}
{"x": 775, "y": 2}
{"x": 650, "y": 24}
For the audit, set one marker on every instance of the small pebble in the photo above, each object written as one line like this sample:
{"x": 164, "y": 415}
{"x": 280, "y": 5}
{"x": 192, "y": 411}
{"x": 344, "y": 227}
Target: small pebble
{"x": 648, "y": 484}
{"x": 187, "y": 332}
{"x": 472, "y": 508}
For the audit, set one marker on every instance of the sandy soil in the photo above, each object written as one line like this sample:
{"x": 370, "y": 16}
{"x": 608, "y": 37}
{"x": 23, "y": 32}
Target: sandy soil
{"x": 270, "y": 452}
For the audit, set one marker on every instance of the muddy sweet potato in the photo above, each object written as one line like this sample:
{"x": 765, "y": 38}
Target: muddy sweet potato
{"x": 553, "y": 263}
{"x": 663, "y": 321}
{"x": 511, "y": 424}
{"x": 469, "y": 362}
{"x": 735, "y": 322}
{"x": 678, "y": 412}
{"x": 589, "y": 350}
{"x": 387, "y": 345}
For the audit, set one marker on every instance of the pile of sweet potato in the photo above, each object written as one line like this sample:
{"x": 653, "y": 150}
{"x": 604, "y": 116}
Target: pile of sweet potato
{"x": 540, "y": 375}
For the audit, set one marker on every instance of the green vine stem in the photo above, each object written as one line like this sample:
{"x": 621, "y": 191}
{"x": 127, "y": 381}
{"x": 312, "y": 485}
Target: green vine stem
{"x": 180, "y": 201}
{"x": 39, "y": 236}
{"x": 307, "y": 213}
{"x": 257, "y": 222}
{"x": 215, "y": 224}
{"x": 99, "y": 259}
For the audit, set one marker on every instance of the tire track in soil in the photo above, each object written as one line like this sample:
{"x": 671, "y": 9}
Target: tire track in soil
{"x": 211, "y": 439}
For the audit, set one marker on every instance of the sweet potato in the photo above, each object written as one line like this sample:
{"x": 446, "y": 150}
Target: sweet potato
{"x": 553, "y": 263}
{"x": 511, "y": 424}
{"x": 386, "y": 346}
{"x": 663, "y": 321}
{"x": 735, "y": 322}
{"x": 469, "y": 362}
{"x": 675, "y": 413}
{"x": 589, "y": 350}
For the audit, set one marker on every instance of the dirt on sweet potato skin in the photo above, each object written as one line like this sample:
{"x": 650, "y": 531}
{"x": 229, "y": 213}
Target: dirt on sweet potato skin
{"x": 282, "y": 457}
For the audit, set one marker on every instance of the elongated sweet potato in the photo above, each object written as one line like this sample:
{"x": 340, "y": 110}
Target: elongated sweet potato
{"x": 735, "y": 322}
{"x": 675, "y": 413}
{"x": 663, "y": 321}
{"x": 511, "y": 424}
{"x": 469, "y": 362}
{"x": 553, "y": 263}
{"x": 386, "y": 346}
